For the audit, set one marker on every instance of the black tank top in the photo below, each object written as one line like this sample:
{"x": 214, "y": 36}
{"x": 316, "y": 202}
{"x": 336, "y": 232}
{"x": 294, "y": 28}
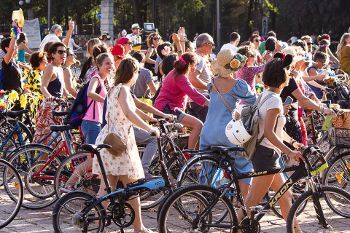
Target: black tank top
{"x": 55, "y": 88}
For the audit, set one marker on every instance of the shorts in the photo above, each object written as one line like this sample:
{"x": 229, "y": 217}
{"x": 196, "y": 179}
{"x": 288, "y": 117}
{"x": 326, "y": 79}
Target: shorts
{"x": 178, "y": 113}
{"x": 265, "y": 158}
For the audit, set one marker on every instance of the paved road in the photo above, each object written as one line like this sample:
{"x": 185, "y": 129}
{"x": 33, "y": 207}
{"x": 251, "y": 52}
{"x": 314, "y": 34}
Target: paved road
{"x": 30, "y": 221}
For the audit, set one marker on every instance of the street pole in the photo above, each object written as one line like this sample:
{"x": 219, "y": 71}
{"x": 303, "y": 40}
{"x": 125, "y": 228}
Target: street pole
{"x": 218, "y": 24}
{"x": 49, "y": 14}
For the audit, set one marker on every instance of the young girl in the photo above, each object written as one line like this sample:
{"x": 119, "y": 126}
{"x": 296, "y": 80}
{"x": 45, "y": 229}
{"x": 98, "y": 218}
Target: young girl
{"x": 121, "y": 116}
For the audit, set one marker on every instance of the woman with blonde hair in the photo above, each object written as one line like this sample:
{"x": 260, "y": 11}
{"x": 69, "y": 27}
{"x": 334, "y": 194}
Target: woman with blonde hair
{"x": 343, "y": 52}
{"x": 152, "y": 41}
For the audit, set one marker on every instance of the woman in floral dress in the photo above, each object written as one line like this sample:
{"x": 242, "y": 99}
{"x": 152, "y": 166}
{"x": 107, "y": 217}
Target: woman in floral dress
{"x": 120, "y": 116}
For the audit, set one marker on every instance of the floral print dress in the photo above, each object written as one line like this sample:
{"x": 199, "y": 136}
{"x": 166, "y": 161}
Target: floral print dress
{"x": 129, "y": 162}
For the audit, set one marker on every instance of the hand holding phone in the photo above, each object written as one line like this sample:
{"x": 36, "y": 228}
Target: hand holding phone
{"x": 288, "y": 101}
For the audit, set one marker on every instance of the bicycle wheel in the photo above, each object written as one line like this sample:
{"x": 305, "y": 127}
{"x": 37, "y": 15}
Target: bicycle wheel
{"x": 10, "y": 204}
{"x": 75, "y": 174}
{"x": 317, "y": 215}
{"x": 67, "y": 214}
{"x": 338, "y": 174}
{"x": 182, "y": 210}
{"x": 38, "y": 189}
{"x": 150, "y": 199}
{"x": 203, "y": 169}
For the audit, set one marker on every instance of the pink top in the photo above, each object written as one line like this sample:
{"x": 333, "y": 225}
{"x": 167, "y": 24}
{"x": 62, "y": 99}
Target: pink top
{"x": 248, "y": 74}
{"x": 89, "y": 115}
{"x": 174, "y": 90}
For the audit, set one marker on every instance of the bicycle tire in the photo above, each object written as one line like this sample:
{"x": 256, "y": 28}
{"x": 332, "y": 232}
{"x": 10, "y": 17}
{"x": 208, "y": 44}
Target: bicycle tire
{"x": 203, "y": 194}
{"x": 318, "y": 208}
{"x": 14, "y": 178}
{"x": 62, "y": 203}
{"x": 20, "y": 161}
{"x": 86, "y": 182}
{"x": 338, "y": 173}
{"x": 158, "y": 196}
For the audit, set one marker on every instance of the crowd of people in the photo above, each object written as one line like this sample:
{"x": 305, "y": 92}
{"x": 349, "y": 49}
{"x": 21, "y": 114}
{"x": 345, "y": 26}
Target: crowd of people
{"x": 176, "y": 78}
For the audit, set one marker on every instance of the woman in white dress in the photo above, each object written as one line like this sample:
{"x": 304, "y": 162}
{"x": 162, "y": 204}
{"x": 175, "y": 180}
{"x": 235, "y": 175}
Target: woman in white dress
{"x": 120, "y": 116}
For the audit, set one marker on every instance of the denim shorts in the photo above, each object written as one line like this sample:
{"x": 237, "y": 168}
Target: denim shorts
{"x": 90, "y": 130}
{"x": 178, "y": 113}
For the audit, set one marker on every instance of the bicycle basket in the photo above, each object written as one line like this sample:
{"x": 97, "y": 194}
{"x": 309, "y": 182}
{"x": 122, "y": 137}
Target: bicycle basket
{"x": 339, "y": 137}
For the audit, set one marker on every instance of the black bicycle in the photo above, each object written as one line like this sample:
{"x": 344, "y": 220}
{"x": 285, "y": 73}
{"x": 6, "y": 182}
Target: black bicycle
{"x": 200, "y": 208}
{"x": 11, "y": 193}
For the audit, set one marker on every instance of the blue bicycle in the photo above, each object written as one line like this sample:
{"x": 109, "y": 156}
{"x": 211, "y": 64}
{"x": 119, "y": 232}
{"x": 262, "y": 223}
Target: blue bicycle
{"x": 82, "y": 212}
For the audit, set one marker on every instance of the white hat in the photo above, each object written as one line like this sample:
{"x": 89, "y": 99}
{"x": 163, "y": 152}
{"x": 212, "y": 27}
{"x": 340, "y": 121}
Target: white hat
{"x": 135, "y": 25}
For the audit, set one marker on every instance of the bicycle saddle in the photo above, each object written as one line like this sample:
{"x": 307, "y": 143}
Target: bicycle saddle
{"x": 61, "y": 128}
{"x": 14, "y": 114}
{"x": 58, "y": 114}
{"x": 95, "y": 148}
{"x": 225, "y": 149}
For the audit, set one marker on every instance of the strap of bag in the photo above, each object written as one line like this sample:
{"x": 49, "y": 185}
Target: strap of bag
{"x": 222, "y": 98}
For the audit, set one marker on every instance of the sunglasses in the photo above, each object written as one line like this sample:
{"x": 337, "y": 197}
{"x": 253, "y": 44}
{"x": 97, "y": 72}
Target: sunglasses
{"x": 156, "y": 38}
{"x": 256, "y": 40}
{"x": 61, "y": 52}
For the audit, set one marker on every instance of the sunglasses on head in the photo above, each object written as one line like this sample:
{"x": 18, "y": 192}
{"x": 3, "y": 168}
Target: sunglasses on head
{"x": 61, "y": 52}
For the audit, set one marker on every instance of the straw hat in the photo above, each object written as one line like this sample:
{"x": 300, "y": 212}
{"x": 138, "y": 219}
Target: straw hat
{"x": 227, "y": 62}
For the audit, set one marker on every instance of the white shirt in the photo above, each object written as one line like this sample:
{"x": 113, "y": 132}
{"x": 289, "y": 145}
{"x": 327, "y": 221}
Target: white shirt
{"x": 272, "y": 102}
{"x": 229, "y": 46}
{"x": 203, "y": 68}
{"x": 135, "y": 39}
{"x": 49, "y": 38}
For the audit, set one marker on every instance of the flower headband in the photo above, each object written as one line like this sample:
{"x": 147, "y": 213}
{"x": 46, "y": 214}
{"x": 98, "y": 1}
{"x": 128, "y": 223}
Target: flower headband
{"x": 236, "y": 62}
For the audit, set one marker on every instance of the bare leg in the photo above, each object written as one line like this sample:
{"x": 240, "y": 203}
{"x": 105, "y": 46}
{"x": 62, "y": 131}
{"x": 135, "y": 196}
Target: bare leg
{"x": 80, "y": 171}
{"x": 196, "y": 126}
{"x": 261, "y": 185}
{"x": 135, "y": 204}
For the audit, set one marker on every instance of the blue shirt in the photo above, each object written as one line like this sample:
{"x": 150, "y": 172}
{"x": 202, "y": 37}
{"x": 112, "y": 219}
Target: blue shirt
{"x": 213, "y": 132}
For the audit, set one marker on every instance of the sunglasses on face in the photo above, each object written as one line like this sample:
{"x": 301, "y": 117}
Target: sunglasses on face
{"x": 256, "y": 41}
{"x": 61, "y": 52}
{"x": 156, "y": 38}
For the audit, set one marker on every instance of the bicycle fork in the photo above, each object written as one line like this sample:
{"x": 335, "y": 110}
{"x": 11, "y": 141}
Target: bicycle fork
{"x": 316, "y": 194}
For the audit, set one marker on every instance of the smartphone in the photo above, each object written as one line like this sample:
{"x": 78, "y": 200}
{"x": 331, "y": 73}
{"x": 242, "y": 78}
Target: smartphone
{"x": 288, "y": 101}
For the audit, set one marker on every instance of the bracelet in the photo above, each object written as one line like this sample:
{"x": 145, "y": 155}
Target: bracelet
{"x": 292, "y": 142}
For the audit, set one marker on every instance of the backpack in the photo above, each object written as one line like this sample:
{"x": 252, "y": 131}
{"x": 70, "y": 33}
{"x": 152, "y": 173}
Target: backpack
{"x": 80, "y": 105}
{"x": 250, "y": 117}
{"x": 248, "y": 122}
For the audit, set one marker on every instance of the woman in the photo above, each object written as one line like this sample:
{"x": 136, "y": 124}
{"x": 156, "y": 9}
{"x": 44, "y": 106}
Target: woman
{"x": 89, "y": 62}
{"x": 172, "y": 97}
{"x": 343, "y": 52}
{"x": 121, "y": 115}
{"x": 226, "y": 86}
{"x": 22, "y": 43}
{"x": 249, "y": 70}
{"x": 152, "y": 41}
{"x": 32, "y": 81}
{"x": 96, "y": 50}
{"x": 271, "y": 124}
{"x": 67, "y": 72}
{"x": 52, "y": 87}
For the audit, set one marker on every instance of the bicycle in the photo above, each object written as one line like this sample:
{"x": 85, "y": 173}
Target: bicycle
{"x": 87, "y": 182}
{"x": 209, "y": 203}
{"x": 10, "y": 181}
{"x": 90, "y": 210}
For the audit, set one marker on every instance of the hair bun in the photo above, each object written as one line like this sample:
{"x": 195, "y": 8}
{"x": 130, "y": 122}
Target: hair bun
{"x": 287, "y": 60}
